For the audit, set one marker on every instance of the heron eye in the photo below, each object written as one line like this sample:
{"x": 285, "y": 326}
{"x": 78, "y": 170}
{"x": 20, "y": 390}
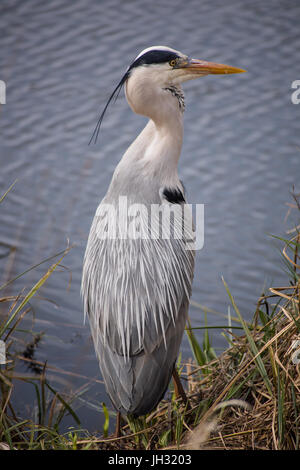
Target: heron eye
{"x": 172, "y": 62}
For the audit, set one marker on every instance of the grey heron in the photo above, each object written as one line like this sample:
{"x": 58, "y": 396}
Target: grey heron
{"x": 136, "y": 291}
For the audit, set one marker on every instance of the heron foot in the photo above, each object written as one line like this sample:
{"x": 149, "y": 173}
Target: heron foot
{"x": 179, "y": 390}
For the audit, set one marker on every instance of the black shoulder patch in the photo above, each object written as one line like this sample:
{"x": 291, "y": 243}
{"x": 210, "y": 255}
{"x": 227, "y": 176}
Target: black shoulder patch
{"x": 174, "y": 195}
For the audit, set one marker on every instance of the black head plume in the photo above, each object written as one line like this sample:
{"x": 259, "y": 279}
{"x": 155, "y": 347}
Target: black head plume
{"x": 115, "y": 95}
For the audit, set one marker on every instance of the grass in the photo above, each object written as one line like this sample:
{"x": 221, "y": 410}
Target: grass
{"x": 246, "y": 398}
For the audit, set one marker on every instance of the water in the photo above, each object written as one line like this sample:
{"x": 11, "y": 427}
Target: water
{"x": 60, "y": 61}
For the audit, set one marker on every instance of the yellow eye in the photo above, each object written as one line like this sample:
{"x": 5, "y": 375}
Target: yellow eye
{"x": 172, "y": 63}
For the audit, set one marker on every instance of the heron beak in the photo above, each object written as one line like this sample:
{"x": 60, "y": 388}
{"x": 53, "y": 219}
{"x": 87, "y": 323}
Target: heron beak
{"x": 203, "y": 67}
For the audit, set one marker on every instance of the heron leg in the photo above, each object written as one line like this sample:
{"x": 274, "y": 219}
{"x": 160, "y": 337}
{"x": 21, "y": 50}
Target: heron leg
{"x": 118, "y": 425}
{"x": 179, "y": 390}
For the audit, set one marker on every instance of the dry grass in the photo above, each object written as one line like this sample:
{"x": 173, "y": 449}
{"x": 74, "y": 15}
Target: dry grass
{"x": 273, "y": 421}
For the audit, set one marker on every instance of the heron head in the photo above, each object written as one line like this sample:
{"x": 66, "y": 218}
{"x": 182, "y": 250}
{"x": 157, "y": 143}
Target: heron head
{"x": 167, "y": 66}
{"x": 157, "y": 68}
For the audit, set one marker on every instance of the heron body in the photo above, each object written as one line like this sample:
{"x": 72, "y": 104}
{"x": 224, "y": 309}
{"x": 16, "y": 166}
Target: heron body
{"x": 136, "y": 290}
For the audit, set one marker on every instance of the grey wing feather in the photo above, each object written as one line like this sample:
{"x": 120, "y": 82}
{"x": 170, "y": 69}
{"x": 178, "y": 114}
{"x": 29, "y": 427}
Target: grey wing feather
{"x": 136, "y": 294}
{"x": 143, "y": 379}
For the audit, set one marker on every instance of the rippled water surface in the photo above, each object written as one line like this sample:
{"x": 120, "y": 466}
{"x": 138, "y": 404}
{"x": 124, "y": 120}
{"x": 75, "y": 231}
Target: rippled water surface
{"x": 60, "y": 61}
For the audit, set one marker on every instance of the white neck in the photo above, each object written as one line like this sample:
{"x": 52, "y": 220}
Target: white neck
{"x": 157, "y": 148}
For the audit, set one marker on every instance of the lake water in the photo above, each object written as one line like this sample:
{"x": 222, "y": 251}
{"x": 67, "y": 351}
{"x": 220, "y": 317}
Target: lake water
{"x": 60, "y": 61}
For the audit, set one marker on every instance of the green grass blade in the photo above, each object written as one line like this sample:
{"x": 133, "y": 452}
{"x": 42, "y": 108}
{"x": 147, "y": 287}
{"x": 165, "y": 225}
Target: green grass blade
{"x": 6, "y": 193}
{"x": 66, "y": 405}
{"x": 253, "y": 347}
{"x": 31, "y": 268}
{"x": 32, "y": 292}
{"x": 106, "y": 420}
{"x": 280, "y": 409}
{"x": 195, "y": 346}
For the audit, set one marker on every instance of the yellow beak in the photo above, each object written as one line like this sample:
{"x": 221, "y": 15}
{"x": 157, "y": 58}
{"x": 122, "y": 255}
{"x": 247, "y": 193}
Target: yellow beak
{"x": 205, "y": 68}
